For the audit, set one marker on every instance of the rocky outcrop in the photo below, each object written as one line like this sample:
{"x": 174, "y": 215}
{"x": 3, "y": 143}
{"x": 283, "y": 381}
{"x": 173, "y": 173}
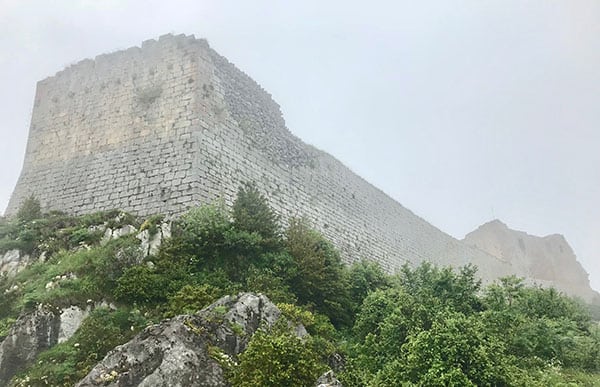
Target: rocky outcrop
{"x": 70, "y": 320}
{"x": 119, "y": 232}
{"x": 188, "y": 350}
{"x": 36, "y": 332}
{"x": 31, "y": 334}
{"x": 547, "y": 261}
{"x": 150, "y": 242}
{"x": 13, "y": 261}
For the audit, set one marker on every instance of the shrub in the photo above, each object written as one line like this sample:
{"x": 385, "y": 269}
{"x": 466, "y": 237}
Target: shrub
{"x": 319, "y": 278}
{"x": 192, "y": 298}
{"x": 29, "y": 210}
{"x": 141, "y": 284}
{"x": 277, "y": 358}
{"x": 252, "y": 213}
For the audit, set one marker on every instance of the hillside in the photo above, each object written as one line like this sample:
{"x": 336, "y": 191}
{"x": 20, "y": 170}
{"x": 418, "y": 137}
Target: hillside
{"x": 221, "y": 297}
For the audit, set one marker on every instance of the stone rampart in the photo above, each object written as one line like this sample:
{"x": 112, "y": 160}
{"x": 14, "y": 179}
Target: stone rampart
{"x": 172, "y": 124}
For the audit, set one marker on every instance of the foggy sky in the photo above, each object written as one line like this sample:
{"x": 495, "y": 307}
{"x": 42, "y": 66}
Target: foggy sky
{"x": 463, "y": 111}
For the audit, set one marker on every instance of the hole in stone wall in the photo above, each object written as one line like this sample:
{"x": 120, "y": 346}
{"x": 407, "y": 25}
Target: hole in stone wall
{"x": 148, "y": 95}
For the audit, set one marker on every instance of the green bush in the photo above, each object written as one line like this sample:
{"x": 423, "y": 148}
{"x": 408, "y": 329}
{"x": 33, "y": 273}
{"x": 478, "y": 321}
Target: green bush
{"x": 319, "y": 275}
{"x": 277, "y": 358}
{"x": 29, "y": 210}
{"x": 141, "y": 284}
{"x": 251, "y": 213}
{"x": 192, "y": 298}
{"x": 5, "y": 326}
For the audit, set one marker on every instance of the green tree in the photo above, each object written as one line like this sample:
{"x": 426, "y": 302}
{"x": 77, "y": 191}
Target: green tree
{"x": 425, "y": 329}
{"x": 29, "y": 210}
{"x": 457, "y": 350}
{"x": 251, "y": 213}
{"x": 365, "y": 277}
{"x": 319, "y": 278}
{"x": 201, "y": 234}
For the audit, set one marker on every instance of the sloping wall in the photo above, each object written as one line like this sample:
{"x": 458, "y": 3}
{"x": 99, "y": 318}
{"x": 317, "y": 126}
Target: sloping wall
{"x": 173, "y": 124}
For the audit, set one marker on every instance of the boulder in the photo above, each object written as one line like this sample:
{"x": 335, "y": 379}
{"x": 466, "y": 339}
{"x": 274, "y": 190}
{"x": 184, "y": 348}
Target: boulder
{"x": 188, "y": 350}
{"x": 70, "y": 320}
{"x": 35, "y": 332}
{"x": 30, "y": 335}
{"x": 13, "y": 261}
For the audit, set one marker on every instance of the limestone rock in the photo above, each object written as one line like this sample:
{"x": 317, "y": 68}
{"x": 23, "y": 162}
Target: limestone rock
{"x": 70, "y": 320}
{"x": 187, "y": 350}
{"x": 36, "y": 332}
{"x": 150, "y": 244}
{"x": 328, "y": 379}
{"x": 547, "y": 261}
{"x": 118, "y": 232}
{"x": 31, "y": 334}
{"x": 12, "y": 262}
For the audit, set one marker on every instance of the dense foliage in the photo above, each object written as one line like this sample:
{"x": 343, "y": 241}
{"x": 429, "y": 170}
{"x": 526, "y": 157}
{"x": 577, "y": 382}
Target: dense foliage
{"x": 422, "y": 326}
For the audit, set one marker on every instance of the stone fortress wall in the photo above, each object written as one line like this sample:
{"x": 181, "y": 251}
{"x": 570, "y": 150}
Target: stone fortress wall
{"x": 172, "y": 124}
{"x": 114, "y": 132}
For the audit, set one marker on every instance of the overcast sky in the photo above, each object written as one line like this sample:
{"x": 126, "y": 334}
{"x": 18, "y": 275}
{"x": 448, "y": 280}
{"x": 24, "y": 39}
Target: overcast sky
{"x": 463, "y": 111}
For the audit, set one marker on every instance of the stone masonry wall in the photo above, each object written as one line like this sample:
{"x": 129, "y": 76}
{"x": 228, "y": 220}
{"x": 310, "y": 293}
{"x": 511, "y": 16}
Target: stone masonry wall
{"x": 115, "y": 132}
{"x": 173, "y": 124}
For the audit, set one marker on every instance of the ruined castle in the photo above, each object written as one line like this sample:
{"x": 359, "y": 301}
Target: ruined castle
{"x": 172, "y": 124}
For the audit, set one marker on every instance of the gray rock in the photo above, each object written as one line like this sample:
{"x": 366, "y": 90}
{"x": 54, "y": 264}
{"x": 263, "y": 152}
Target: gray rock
{"x": 150, "y": 244}
{"x": 30, "y": 335}
{"x": 188, "y": 350}
{"x": 118, "y": 233}
{"x": 12, "y": 262}
{"x": 70, "y": 320}
{"x": 328, "y": 379}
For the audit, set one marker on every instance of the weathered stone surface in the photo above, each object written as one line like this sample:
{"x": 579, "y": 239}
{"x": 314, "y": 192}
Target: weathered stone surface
{"x": 70, "y": 320}
{"x": 13, "y": 261}
{"x": 172, "y": 124}
{"x": 118, "y": 232}
{"x": 547, "y": 261}
{"x": 31, "y": 334}
{"x": 328, "y": 379}
{"x": 36, "y": 332}
{"x": 150, "y": 244}
{"x": 186, "y": 350}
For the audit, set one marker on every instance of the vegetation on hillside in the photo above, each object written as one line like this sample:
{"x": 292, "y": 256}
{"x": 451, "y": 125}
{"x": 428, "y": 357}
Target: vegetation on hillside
{"x": 422, "y": 326}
